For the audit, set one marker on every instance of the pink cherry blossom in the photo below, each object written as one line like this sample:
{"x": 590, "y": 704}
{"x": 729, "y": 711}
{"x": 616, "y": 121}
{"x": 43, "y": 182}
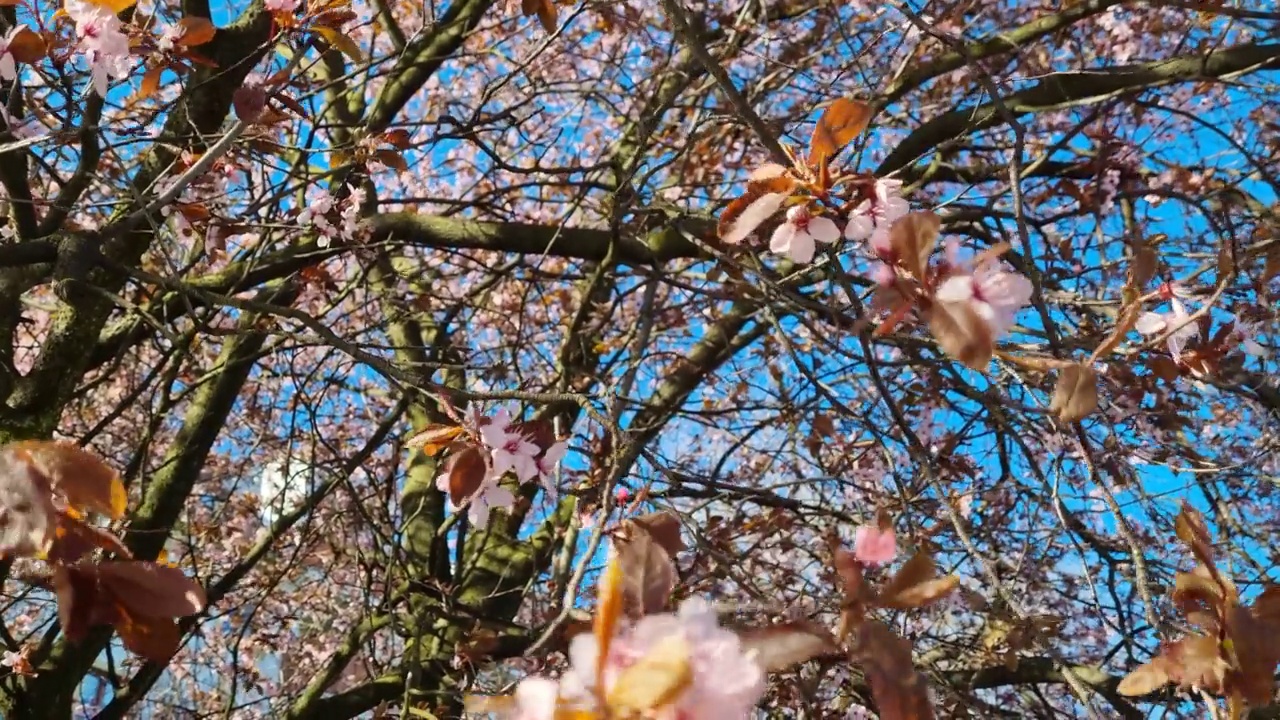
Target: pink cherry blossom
{"x": 280, "y": 5}
{"x": 796, "y": 236}
{"x": 871, "y": 218}
{"x": 104, "y": 44}
{"x": 547, "y": 465}
{"x": 726, "y": 681}
{"x": 996, "y": 293}
{"x": 873, "y": 546}
{"x": 1151, "y": 323}
{"x": 511, "y": 449}
{"x": 1246, "y": 332}
{"x": 8, "y": 66}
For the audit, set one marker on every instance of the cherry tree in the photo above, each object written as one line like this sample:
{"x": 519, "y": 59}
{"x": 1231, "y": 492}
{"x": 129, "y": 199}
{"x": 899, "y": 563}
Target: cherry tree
{"x": 370, "y": 358}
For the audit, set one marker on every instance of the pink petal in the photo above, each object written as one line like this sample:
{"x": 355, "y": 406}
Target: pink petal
{"x": 782, "y": 238}
{"x": 873, "y": 546}
{"x": 754, "y": 214}
{"x": 1150, "y": 323}
{"x": 957, "y": 289}
{"x": 824, "y": 230}
{"x": 802, "y": 247}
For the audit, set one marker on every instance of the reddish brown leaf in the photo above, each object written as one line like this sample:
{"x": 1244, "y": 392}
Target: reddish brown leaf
{"x": 841, "y": 122}
{"x": 28, "y": 46}
{"x": 1076, "y": 393}
{"x": 78, "y": 475}
{"x": 392, "y": 159}
{"x": 74, "y": 539}
{"x": 196, "y": 31}
{"x": 1195, "y": 661}
{"x": 398, "y": 138}
{"x": 249, "y": 101}
{"x": 151, "y": 589}
{"x": 467, "y": 470}
{"x": 1128, "y": 319}
{"x": 82, "y": 602}
{"x": 153, "y": 638}
{"x": 781, "y": 647}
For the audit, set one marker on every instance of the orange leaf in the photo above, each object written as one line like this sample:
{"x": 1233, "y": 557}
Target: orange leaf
{"x": 608, "y": 610}
{"x": 115, "y": 6}
{"x": 150, "y": 82}
{"x": 196, "y": 31}
{"x": 27, "y": 46}
{"x": 842, "y": 121}
{"x": 544, "y": 9}
{"x": 434, "y": 438}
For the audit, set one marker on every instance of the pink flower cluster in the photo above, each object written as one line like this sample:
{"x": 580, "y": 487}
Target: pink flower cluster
{"x": 316, "y": 214}
{"x": 870, "y": 221}
{"x": 102, "y": 40}
{"x": 507, "y": 450}
{"x": 726, "y": 682}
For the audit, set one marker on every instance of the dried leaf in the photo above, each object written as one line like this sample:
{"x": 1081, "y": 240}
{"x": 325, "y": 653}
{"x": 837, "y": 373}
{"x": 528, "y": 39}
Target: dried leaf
{"x": 1146, "y": 678}
{"x": 1190, "y": 529}
{"x": 342, "y": 42}
{"x": 1256, "y": 652}
{"x": 195, "y": 31}
{"x": 466, "y": 472}
{"x": 781, "y": 647}
{"x": 899, "y": 691}
{"x": 28, "y": 46}
{"x": 1128, "y": 319}
{"x": 961, "y": 333}
{"x": 761, "y": 201}
{"x": 150, "y": 82}
{"x": 841, "y": 122}
{"x": 913, "y": 238}
{"x": 1142, "y": 266}
{"x": 662, "y": 525}
{"x": 434, "y": 438}
{"x": 916, "y": 584}
{"x": 653, "y": 681}
{"x": 78, "y": 475}
{"x": 1076, "y": 393}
